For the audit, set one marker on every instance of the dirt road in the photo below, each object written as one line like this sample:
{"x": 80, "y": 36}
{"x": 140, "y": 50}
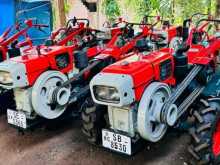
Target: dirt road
{"x": 67, "y": 146}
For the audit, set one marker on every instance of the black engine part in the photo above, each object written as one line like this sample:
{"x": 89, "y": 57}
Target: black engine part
{"x": 143, "y": 45}
{"x": 181, "y": 64}
{"x": 81, "y": 59}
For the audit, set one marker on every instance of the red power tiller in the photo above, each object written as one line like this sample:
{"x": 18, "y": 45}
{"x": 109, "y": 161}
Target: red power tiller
{"x": 53, "y": 77}
{"x": 141, "y": 96}
{"x": 10, "y": 45}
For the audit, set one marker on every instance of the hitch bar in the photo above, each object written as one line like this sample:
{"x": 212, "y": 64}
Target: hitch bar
{"x": 80, "y": 74}
{"x": 74, "y": 97}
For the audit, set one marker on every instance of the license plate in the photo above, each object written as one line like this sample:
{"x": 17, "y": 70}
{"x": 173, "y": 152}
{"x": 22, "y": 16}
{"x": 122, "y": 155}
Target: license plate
{"x": 16, "y": 118}
{"x": 116, "y": 142}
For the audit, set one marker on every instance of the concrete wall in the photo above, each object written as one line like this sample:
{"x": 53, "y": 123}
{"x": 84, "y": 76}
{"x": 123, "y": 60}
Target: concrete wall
{"x": 78, "y": 10}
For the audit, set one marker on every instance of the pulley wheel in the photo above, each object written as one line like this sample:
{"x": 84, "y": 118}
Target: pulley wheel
{"x": 149, "y": 126}
{"x": 42, "y": 95}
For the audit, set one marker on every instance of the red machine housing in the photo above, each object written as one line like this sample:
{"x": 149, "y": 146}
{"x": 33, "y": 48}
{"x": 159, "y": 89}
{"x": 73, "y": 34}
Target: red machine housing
{"x": 42, "y": 58}
{"x": 38, "y": 63}
{"x": 144, "y": 71}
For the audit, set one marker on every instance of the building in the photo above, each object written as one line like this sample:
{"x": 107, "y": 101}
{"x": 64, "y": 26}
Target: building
{"x": 90, "y": 9}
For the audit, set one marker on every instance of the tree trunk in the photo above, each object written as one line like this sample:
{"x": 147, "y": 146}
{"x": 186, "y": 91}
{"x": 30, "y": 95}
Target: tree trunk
{"x": 217, "y": 10}
{"x": 209, "y": 6}
{"x": 217, "y": 13}
{"x": 173, "y": 11}
{"x": 62, "y": 15}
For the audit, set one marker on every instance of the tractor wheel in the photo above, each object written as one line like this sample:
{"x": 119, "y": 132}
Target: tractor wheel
{"x": 7, "y": 101}
{"x": 93, "y": 121}
{"x": 205, "y": 135}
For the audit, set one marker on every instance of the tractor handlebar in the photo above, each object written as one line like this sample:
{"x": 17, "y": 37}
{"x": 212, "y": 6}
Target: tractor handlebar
{"x": 40, "y": 25}
{"x": 199, "y": 14}
{"x": 207, "y": 20}
{"x": 29, "y": 23}
{"x": 22, "y": 31}
{"x": 189, "y": 20}
{"x": 145, "y": 19}
{"x": 137, "y": 24}
{"x": 75, "y": 20}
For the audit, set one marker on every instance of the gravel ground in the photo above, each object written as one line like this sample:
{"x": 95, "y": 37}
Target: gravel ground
{"x": 66, "y": 145}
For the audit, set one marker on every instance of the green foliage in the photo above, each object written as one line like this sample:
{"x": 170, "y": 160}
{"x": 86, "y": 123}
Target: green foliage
{"x": 142, "y": 7}
{"x": 187, "y": 7}
{"x": 67, "y": 7}
{"x": 111, "y": 9}
{"x": 176, "y": 10}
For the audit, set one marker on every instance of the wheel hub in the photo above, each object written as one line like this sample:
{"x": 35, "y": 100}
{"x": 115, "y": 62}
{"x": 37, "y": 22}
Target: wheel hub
{"x": 61, "y": 96}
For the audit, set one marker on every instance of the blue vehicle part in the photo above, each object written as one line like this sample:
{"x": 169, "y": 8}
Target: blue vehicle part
{"x": 38, "y": 10}
{"x": 7, "y": 16}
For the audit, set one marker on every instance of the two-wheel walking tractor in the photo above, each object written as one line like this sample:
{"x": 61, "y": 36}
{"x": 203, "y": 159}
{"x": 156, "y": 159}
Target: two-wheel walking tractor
{"x": 142, "y": 96}
{"x": 47, "y": 79}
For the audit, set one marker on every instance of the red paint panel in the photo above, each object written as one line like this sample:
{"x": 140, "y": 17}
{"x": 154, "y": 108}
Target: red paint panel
{"x": 216, "y": 140}
{"x": 37, "y": 64}
{"x": 143, "y": 69}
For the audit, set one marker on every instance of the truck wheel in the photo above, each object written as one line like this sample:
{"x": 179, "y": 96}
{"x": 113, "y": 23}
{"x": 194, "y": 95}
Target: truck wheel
{"x": 205, "y": 134}
{"x": 93, "y": 121}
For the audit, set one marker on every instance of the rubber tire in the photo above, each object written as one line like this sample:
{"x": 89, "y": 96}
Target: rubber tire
{"x": 93, "y": 121}
{"x": 200, "y": 148}
{"x": 7, "y": 101}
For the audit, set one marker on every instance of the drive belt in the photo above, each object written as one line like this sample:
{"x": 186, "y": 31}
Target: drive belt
{"x": 179, "y": 90}
{"x": 189, "y": 100}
